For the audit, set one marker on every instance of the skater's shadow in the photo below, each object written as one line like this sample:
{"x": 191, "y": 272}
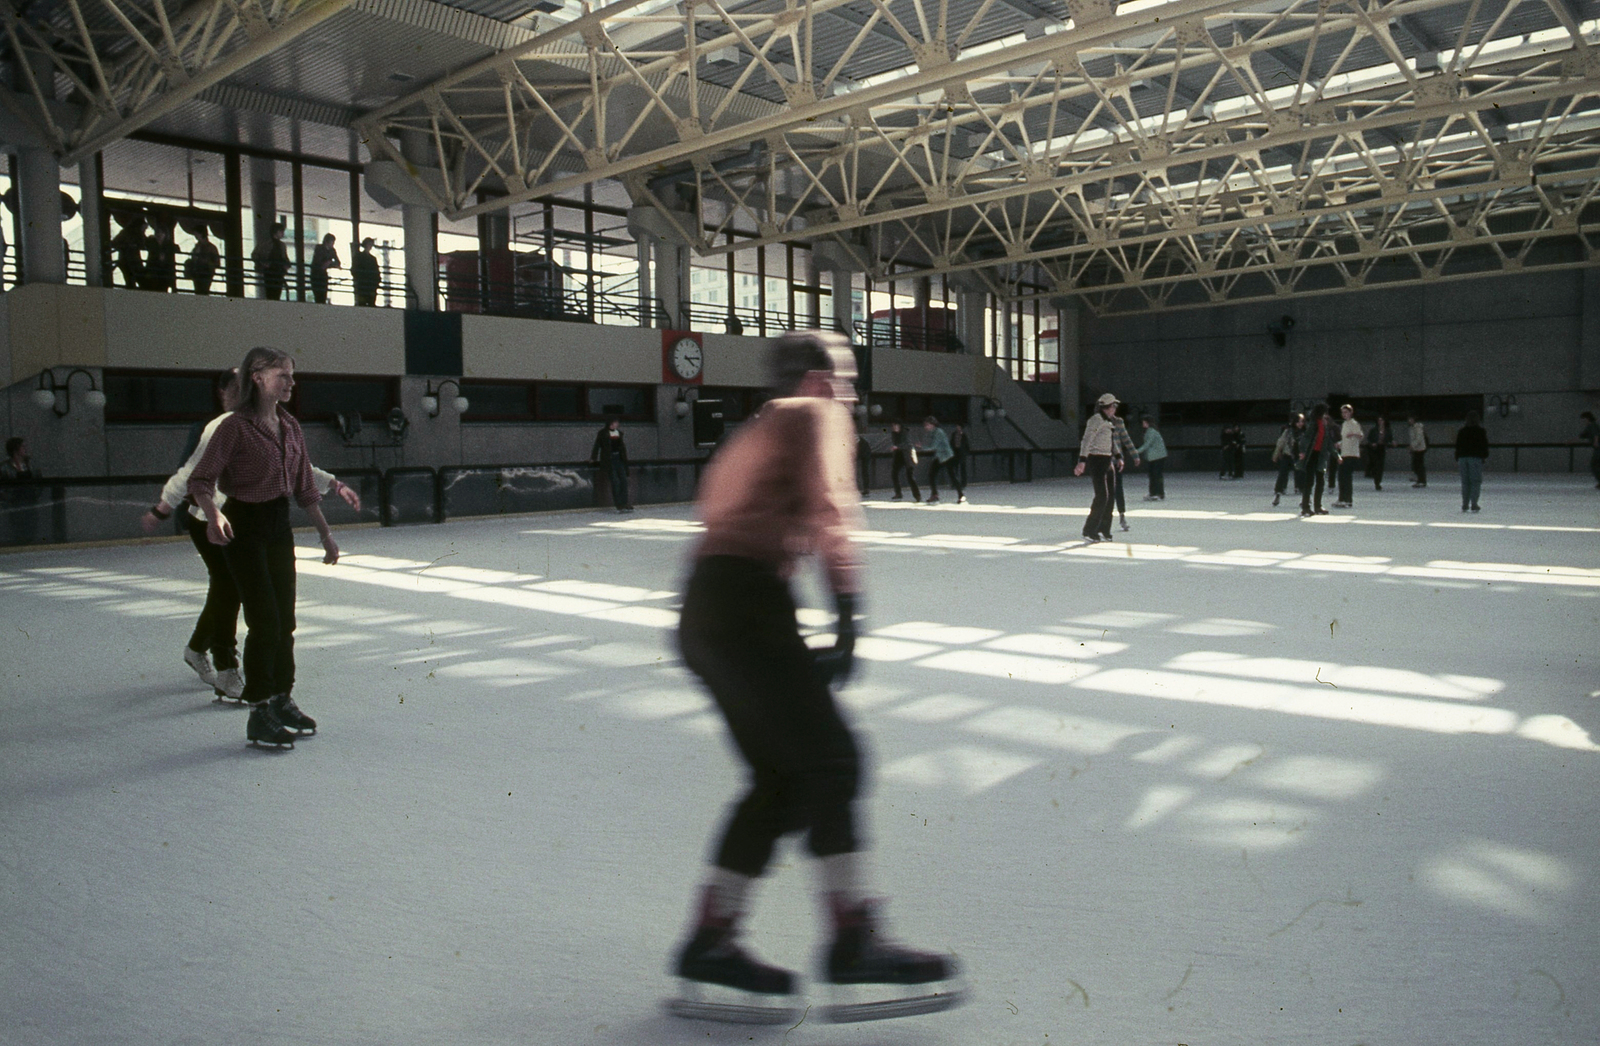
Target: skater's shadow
{"x": 100, "y": 778}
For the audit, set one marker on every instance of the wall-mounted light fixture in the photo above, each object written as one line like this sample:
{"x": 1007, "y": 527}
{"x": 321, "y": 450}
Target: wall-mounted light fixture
{"x": 1505, "y": 404}
{"x": 1280, "y": 328}
{"x": 430, "y": 399}
{"x": 992, "y": 410}
{"x": 681, "y": 408}
{"x": 57, "y": 395}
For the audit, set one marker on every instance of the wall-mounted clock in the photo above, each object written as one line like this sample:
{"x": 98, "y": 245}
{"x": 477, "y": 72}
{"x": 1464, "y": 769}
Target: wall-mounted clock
{"x": 682, "y": 358}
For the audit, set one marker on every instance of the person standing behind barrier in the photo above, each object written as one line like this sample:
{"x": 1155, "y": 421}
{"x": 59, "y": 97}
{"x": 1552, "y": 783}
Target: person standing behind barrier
{"x": 258, "y": 458}
{"x": 903, "y": 460}
{"x": 1472, "y": 449}
{"x": 1153, "y": 449}
{"x": 611, "y": 454}
{"x": 1313, "y": 450}
{"x": 936, "y": 445}
{"x": 1417, "y": 441}
{"x": 22, "y": 502}
{"x": 365, "y": 275}
{"x": 1349, "y": 452}
{"x": 1099, "y": 455}
{"x": 324, "y": 258}
{"x": 211, "y": 650}
{"x": 1590, "y": 437}
{"x": 272, "y": 263}
{"x": 1378, "y": 440}
{"x": 1126, "y": 452}
{"x": 961, "y": 445}
{"x": 1284, "y": 454}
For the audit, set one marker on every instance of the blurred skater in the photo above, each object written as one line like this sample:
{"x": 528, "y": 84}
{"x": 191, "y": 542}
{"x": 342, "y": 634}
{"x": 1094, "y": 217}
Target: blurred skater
{"x": 782, "y": 486}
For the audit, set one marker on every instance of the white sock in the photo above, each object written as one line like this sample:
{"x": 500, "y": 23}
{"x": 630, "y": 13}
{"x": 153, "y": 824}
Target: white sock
{"x": 839, "y": 877}
{"x": 726, "y": 894}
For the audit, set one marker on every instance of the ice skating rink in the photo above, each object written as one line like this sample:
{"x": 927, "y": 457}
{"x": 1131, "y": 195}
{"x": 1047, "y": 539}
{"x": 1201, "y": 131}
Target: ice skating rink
{"x": 1234, "y": 778}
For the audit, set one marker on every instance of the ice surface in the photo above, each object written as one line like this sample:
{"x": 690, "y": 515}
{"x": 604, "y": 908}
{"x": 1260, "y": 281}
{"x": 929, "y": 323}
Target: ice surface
{"x": 1239, "y": 779}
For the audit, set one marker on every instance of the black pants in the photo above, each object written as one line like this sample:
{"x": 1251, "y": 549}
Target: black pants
{"x": 1347, "y": 480}
{"x": 738, "y": 634}
{"x": 958, "y": 473}
{"x": 319, "y": 288}
{"x": 617, "y": 474}
{"x": 217, "y": 629}
{"x": 949, "y": 469}
{"x": 901, "y": 463}
{"x": 1102, "y": 474}
{"x": 1158, "y": 478}
{"x": 1375, "y": 463}
{"x": 261, "y": 559}
{"x": 1316, "y": 475}
{"x": 1122, "y": 505}
{"x": 1285, "y": 469}
{"x": 1419, "y": 465}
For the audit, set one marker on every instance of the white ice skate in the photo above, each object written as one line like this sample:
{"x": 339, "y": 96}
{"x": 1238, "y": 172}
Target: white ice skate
{"x": 700, "y": 1001}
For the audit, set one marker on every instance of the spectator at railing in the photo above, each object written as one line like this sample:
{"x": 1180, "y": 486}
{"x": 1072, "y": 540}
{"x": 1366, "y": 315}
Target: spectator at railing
{"x": 161, "y": 257}
{"x": 127, "y": 247}
{"x": 610, "y": 452}
{"x": 202, "y": 264}
{"x": 272, "y": 262}
{"x": 365, "y": 274}
{"x": 325, "y": 257}
{"x": 20, "y": 503}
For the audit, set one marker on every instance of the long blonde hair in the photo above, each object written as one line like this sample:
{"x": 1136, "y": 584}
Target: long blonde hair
{"x": 246, "y": 396}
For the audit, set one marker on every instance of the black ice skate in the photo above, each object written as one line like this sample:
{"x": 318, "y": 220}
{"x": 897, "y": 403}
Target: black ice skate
{"x": 289, "y": 715}
{"x": 264, "y": 729}
{"x": 862, "y": 955}
{"x": 722, "y": 982}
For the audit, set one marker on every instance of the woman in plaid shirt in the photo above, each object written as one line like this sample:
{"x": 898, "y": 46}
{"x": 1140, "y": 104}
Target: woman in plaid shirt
{"x": 258, "y": 458}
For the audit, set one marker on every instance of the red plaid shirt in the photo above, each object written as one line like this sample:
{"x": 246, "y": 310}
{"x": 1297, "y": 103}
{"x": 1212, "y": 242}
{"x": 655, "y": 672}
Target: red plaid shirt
{"x": 250, "y": 464}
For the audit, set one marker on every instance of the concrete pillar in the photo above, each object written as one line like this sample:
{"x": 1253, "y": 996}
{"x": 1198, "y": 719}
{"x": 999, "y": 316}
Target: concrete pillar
{"x": 89, "y": 210}
{"x": 43, "y": 256}
{"x": 263, "y": 176}
{"x": 1069, "y": 343}
{"x": 839, "y": 282}
{"x": 416, "y": 220}
{"x": 970, "y": 308}
{"x": 672, "y": 278}
{"x": 646, "y": 290}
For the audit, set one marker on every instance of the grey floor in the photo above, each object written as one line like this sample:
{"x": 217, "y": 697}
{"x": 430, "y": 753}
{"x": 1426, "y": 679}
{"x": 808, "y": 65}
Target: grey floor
{"x": 1236, "y": 778}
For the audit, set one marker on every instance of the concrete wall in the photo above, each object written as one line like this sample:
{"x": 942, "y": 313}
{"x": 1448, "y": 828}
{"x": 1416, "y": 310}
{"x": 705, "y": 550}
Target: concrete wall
{"x": 1531, "y": 336}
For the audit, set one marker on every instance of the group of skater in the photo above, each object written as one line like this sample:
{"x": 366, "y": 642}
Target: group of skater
{"x": 783, "y": 486}
{"x": 944, "y": 452}
{"x": 1317, "y": 451}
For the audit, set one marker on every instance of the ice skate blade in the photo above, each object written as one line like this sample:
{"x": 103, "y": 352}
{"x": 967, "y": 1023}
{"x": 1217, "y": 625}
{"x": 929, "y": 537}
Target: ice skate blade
{"x": 731, "y": 1013}
{"x": 855, "y": 1013}
{"x": 271, "y": 746}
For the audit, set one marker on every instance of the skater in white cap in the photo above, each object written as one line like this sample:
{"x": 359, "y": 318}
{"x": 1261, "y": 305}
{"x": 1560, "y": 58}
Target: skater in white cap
{"x": 781, "y": 487}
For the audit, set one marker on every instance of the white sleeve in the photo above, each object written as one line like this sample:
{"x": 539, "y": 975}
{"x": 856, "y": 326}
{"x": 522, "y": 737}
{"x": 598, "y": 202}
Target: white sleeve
{"x": 177, "y": 488}
{"x": 323, "y": 480}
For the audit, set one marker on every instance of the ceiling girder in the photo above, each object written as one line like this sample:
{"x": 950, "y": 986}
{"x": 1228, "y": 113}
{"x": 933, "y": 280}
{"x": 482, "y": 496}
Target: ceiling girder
{"x": 165, "y": 53}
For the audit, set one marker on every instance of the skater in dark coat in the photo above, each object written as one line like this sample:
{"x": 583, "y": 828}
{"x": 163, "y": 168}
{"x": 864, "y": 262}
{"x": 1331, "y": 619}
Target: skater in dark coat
{"x": 610, "y": 452}
{"x": 782, "y": 485}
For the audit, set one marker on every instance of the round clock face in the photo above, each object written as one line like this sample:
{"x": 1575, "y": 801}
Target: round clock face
{"x": 687, "y": 359}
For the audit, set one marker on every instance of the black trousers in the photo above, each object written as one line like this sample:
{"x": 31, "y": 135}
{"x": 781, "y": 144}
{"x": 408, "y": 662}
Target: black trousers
{"x": 1158, "y": 478}
{"x": 1316, "y": 475}
{"x": 949, "y": 469}
{"x": 617, "y": 476}
{"x": 1285, "y": 469}
{"x": 217, "y": 629}
{"x": 1375, "y": 462}
{"x": 1347, "y": 480}
{"x": 738, "y": 634}
{"x": 261, "y": 559}
{"x": 1122, "y": 504}
{"x": 1102, "y": 474}
{"x": 1419, "y": 465}
{"x": 902, "y": 463}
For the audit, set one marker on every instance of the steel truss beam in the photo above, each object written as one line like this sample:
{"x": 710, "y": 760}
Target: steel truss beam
{"x": 1033, "y": 157}
{"x": 125, "y": 63}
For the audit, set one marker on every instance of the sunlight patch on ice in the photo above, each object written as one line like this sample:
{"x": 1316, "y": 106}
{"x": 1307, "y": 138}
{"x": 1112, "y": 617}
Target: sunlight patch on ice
{"x": 971, "y": 768}
{"x": 1355, "y": 677}
{"x": 1053, "y": 730}
{"x": 1505, "y": 880}
{"x": 1020, "y": 667}
{"x": 1320, "y": 777}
